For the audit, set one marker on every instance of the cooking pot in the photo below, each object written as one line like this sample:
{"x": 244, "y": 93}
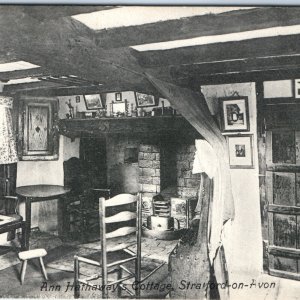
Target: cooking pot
{"x": 161, "y": 223}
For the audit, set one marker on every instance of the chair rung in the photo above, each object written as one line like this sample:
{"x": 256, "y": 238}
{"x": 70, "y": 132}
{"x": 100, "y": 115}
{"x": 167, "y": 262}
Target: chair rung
{"x": 89, "y": 261}
{"x": 115, "y": 263}
{"x": 153, "y": 271}
{"x": 126, "y": 270}
{"x": 129, "y": 251}
{"x": 126, "y": 289}
{"x": 92, "y": 277}
{"x": 121, "y": 279}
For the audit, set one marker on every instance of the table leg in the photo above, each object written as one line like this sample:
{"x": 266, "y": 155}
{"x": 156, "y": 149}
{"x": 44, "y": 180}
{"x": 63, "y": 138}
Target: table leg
{"x": 62, "y": 224}
{"x": 27, "y": 221}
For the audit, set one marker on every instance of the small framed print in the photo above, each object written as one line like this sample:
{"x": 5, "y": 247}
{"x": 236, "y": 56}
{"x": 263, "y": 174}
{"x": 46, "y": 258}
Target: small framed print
{"x": 118, "y": 97}
{"x": 93, "y": 102}
{"x": 240, "y": 148}
{"x": 234, "y": 114}
{"x": 144, "y": 100}
{"x": 297, "y": 88}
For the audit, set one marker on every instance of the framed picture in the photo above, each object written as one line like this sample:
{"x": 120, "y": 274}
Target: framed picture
{"x": 144, "y": 100}
{"x": 234, "y": 114}
{"x": 240, "y": 148}
{"x": 297, "y": 88}
{"x": 118, "y": 97}
{"x": 93, "y": 101}
{"x": 118, "y": 108}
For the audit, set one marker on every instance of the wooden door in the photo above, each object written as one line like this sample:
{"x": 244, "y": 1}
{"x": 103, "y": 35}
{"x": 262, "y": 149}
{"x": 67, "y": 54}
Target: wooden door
{"x": 283, "y": 201}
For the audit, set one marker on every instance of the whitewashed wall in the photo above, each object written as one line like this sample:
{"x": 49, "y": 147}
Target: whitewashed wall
{"x": 243, "y": 239}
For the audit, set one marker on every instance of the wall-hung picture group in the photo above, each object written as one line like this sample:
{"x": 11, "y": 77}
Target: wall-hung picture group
{"x": 235, "y": 119}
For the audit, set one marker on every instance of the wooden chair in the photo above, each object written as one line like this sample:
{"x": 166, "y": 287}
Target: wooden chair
{"x": 10, "y": 220}
{"x": 81, "y": 207}
{"x": 115, "y": 214}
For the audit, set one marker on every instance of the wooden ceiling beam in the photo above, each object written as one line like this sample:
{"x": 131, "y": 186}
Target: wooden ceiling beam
{"x": 205, "y": 25}
{"x": 18, "y": 74}
{"x": 252, "y": 76}
{"x": 271, "y": 46}
{"x": 67, "y": 90}
{"x": 73, "y": 47}
{"x": 52, "y": 12}
{"x": 236, "y": 66}
{"x": 13, "y": 88}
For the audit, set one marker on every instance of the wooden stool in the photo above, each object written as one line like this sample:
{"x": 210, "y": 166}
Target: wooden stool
{"x": 36, "y": 253}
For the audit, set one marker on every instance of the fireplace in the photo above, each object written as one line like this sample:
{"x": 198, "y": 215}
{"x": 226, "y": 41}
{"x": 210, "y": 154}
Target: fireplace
{"x": 166, "y": 169}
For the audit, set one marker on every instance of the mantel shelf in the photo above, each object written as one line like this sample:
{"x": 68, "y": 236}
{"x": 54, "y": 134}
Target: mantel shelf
{"x": 159, "y": 125}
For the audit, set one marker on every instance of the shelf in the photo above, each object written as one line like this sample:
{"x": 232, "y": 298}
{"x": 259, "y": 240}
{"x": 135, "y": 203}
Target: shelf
{"x": 159, "y": 125}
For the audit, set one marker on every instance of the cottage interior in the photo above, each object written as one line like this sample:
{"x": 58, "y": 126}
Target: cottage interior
{"x": 111, "y": 100}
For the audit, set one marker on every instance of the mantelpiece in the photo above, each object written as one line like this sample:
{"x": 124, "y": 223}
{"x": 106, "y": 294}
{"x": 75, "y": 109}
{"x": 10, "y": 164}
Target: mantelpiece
{"x": 159, "y": 125}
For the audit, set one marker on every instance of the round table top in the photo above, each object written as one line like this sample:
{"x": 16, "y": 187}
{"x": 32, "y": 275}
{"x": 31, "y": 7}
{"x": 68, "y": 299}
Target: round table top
{"x": 41, "y": 191}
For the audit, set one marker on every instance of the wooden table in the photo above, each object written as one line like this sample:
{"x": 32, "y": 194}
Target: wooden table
{"x": 38, "y": 193}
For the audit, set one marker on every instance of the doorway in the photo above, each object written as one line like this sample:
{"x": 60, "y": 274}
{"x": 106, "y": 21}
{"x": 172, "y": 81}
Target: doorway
{"x": 279, "y": 151}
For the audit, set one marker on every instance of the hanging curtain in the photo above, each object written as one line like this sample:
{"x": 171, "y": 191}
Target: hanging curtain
{"x": 8, "y": 151}
{"x": 193, "y": 107}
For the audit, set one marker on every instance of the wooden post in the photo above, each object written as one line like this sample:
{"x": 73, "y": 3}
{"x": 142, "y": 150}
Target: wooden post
{"x": 103, "y": 246}
{"x": 76, "y": 277}
{"x": 139, "y": 247}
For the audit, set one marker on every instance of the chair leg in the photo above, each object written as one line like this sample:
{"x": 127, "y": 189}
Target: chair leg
{"x": 120, "y": 274}
{"x": 23, "y": 270}
{"x": 23, "y": 238}
{"x": 43, "y": 268}
{"x": 76, "y": 277}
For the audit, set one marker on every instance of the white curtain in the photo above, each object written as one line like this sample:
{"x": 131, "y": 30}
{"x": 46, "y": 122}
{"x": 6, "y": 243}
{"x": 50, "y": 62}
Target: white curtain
{"x": 8, "y": 151}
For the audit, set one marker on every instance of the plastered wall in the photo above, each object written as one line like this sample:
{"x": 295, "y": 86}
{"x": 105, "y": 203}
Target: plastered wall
{"x": 44, "y": 214}
{"x": 243, "y": 235}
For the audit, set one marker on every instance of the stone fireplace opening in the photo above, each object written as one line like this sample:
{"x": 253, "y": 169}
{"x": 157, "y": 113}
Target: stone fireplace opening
{"x": 166, "y": 169}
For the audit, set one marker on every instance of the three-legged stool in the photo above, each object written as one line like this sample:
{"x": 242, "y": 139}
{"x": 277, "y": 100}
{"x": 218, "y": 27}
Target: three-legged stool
{"x": 26, "y": 255}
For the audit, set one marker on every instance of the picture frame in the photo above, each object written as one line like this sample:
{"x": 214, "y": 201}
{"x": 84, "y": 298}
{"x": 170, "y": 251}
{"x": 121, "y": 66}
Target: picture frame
{"x": 118, "y": 97}
{"x": 144, "y": 100}
{"x": 118, "y": 108}
{"x": 234, "y": 114}
{"x": 240, "y": 148}
{"x": 297, "y": 88}
{"x": 93, "y": 101}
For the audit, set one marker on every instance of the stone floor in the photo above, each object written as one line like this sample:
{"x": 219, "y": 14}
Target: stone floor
{"x": 60, "y": 281}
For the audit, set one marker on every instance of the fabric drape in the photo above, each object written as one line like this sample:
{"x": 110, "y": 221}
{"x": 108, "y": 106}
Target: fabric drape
{"x": 193, "y": 107}
{"x": 8, "y": 151}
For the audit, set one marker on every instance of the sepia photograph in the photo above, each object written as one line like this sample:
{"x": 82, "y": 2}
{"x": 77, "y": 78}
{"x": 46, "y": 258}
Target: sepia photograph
{"x": 149, "y": 152}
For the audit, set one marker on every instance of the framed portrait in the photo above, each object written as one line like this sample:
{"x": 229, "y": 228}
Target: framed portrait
{"x": 144, "y": 100}
{"x": 240, "y": 148}
{"x": 118, "y": 97}
{"x": 234, "y": 114}
{"x": 93, "y": 101}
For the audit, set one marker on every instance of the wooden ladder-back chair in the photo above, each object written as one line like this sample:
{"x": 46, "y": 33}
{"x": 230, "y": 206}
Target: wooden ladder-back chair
{"x": 116, "y": 241}
{"x": 10, "y": 220}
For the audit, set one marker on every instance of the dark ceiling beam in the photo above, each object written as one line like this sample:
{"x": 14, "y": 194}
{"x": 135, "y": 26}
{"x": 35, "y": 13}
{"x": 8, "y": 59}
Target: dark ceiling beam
{"x": 65, "y": 45}
{"x": 12, "y": 88}
{"x": 252, "y": 76}
{"x": 62, "y": 81}
{"x": 18, "y": 74}
{"x": 271, "y": 46}
{"x": 67, "y": 91}
{"x": 236, "y": 66}
{"x": 52, "y": 12}
{"x": 211, "y": 24}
